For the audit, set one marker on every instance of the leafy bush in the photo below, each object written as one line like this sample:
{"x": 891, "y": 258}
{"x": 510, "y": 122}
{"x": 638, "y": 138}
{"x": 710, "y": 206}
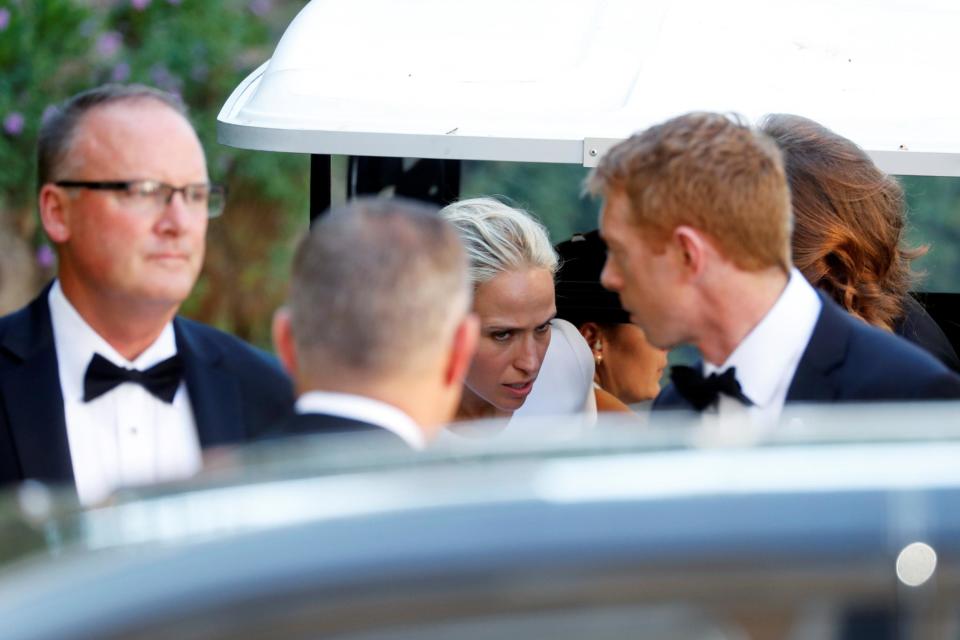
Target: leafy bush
{"x": 51, "y": 49}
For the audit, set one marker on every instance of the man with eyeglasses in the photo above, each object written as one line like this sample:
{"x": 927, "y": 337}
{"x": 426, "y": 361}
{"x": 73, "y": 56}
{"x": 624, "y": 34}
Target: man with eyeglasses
{"x": 101, "y": 384}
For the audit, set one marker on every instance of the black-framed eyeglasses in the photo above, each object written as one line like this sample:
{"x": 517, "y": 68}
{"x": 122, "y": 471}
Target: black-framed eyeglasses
{"x": 151, "y": 196}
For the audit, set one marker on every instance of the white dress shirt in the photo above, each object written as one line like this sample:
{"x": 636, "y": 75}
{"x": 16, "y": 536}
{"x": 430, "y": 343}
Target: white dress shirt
{"x": 363, "y": 409}
{"x": 127, "y": 436}
{"x": 767, "y": 358}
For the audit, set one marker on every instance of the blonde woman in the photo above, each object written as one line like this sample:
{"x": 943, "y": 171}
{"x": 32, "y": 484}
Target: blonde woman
{"x": 512, "y": 266}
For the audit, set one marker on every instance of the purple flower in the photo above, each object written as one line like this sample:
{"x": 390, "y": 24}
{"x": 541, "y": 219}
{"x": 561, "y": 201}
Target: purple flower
{"x": 139, "y": 5}
{"x": 162, "y": 78}
{"x": 4, "y": 18}
{"x": 120, "y": 73}
{"x": 45, "y": 256}
{"x": 109, "y": 43}
{"x": 13, "y": 123}
{"x": 260, "y": 7}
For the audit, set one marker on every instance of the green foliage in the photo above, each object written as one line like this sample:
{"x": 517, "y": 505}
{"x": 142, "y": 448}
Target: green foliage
{"x": 28, "y": 82}
{"x": 201, "y": 50}
{"x": 934, "y": 217}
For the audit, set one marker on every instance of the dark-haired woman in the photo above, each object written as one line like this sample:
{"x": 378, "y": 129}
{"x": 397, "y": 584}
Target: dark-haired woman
{"x": 628, "y": 368}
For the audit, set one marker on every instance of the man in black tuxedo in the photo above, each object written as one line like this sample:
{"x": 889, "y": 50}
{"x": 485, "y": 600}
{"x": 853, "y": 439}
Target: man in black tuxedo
{"x": 101, "y": 384}
{"x": 377, "y": 333}
{"x": 697, "y": 219}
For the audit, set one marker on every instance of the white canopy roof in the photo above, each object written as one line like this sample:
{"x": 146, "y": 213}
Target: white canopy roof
{"x": 562, "y": 80}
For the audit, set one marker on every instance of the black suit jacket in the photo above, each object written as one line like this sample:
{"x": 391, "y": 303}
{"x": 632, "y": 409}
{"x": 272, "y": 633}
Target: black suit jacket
{"x": 848, "y": 360}
{"x": 236, "y": 392}
{"x": 323, "y": 423}
{"x": 916, "y": 325}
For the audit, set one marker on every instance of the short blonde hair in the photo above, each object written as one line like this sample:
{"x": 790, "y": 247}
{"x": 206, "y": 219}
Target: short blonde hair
{"x": 711, "y": 172}
{"x": 499, "y": 238}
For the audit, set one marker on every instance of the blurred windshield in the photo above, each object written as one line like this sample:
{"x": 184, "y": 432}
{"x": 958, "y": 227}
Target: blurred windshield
{"x": 515, "y": 529}
{"x": 318, "y": 477}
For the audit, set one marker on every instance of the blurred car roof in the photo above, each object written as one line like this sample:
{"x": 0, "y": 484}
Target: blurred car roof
{"x": 822, "y": 507}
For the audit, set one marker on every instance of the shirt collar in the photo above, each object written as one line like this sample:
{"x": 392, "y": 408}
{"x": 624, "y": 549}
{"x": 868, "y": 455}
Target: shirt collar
{"x": 363, "y": 409}
{"x": 76, "y": 342}
{"x": 776, "y": 343}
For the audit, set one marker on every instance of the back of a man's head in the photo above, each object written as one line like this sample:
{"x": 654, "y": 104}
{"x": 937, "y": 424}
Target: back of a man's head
{"x": 379, "y": 287}
{"x": 710, "y": 172}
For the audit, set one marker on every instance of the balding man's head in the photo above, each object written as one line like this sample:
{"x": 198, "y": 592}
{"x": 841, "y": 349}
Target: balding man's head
{"x": 379, "y": 306}
{"x": 376, "y": 285}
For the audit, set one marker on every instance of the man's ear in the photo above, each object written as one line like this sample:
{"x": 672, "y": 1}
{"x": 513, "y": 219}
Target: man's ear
{"x": 692, "y": 248}
{"x": 283, "y": 340}
{"x": 53, "y": 203}
{"x": 461, "y": 352}
{"x": 591, "y": 333}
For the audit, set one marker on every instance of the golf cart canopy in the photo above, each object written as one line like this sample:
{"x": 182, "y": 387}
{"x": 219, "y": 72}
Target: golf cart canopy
{"x": 562, "y": 80}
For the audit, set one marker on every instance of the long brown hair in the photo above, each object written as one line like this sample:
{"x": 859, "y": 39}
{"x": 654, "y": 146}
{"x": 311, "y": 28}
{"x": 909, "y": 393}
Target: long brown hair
{"x": 849, "y": 220}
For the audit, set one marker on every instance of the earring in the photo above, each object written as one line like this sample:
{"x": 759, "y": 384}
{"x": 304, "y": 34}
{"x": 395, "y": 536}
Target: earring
{"x": 597, "y": 355}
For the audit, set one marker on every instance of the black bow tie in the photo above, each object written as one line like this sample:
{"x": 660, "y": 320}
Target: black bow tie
{"x": 702, "y": 392}
{"x": 162, "y": 379}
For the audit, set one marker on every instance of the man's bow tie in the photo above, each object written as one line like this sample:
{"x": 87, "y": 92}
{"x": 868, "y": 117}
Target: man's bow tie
{"x": 162, "y": 379}
{"x": 702, "y": 392}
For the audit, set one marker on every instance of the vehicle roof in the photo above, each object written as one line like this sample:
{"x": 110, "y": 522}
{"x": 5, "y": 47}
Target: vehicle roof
{"x": 562, "y": 80}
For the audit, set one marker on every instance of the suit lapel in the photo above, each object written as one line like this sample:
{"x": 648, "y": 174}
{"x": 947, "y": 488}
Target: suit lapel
{"x": 826, "y": 351}
{"x": 814, "y": 379}
{"x": 33, "y": 399}
{"x": 214, "y": 394}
